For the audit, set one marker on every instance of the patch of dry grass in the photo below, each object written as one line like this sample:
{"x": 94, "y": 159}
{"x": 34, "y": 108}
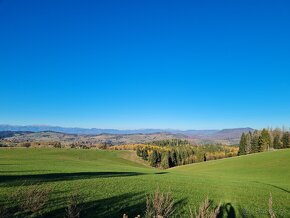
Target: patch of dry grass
{"x": 206, "y": 210}
{"x": 159, "y": 205}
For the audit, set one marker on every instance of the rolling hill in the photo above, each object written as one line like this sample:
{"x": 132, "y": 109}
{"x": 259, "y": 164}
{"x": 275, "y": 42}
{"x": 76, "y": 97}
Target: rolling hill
{"x": 113, "y": 183}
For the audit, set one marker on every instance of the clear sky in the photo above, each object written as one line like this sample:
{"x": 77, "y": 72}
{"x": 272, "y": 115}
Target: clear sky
{"x": 145, "y": 64}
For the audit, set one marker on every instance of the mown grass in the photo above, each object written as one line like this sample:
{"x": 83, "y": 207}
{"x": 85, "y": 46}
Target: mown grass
{"x": 111, "y": 184}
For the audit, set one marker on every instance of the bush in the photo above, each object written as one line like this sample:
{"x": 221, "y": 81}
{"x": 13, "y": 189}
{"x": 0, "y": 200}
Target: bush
{"x": 159, "y": 205}
{"x": 32, "y": 199}
{"x": 206, "y": 210}
{"x": 73, "y": 209}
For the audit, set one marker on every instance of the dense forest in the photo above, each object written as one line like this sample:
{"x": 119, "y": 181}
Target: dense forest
{"x": 175, "y": 152}
{"x": 264, "y": 140}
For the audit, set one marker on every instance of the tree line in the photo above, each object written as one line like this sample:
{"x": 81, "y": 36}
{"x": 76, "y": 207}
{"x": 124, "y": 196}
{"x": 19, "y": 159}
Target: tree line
{"x": 170, "y": 153}
{"x": 166, "y": 158}
{"x": 169, "y": 142}
{"x": 264, "y": 140}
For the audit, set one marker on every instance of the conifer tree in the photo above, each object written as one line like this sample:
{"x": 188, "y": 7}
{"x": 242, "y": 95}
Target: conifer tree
{"x": 248, "y": 146}
{"x": 255, "y": 142}
{"x": 243, "y": 143}
{"x": 286, "y": 140}
{"x": 264, "y": 141}
{"x": 154, "y": 158}
{"x": 165, "y": 160}
{"x": 173, "y": 158}
{"x": 277, "y": 142}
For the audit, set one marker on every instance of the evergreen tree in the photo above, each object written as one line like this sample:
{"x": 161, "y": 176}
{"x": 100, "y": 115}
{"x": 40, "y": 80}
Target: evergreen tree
{"x": 248, "y": 146}
{"x": 204, "y": 157}
{"x": 286, "y": 140}
{"x": 277, "y": 142}
{"x": 265, "y": 141}
{"x": 165, "y": 160}
{"x": 145, "y": 154}
{"x": 243, "y": 143}
{"x": 179, "y": 157}
{"x": 154, "y": 158}
{"x": 183, "y": 156}
{"x": 255, "y": 142}
{"x": 173, "y": 158}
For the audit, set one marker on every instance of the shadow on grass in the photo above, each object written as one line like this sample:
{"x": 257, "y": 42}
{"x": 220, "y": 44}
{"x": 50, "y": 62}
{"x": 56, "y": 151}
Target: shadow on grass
{"x": 227, "y": 210}
{"x": 132, "y": 204}
{"x": 12, "y": 180}
{"x": 161, "y": 173}
{"x": 245, "y": 213}
{"x": 274, "y": 186}
{"x": 180, "y": 208}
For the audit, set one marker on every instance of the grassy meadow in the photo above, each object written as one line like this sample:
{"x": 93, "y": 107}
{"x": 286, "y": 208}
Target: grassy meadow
{"x": 112, "y": 183}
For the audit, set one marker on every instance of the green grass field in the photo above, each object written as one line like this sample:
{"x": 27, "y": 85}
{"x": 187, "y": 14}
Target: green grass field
{"x": 111, "y": 184}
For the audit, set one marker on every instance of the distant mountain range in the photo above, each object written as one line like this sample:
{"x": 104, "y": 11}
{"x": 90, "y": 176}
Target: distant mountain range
{"x": 97, "y": 131}
{"x": 226, "y": 136}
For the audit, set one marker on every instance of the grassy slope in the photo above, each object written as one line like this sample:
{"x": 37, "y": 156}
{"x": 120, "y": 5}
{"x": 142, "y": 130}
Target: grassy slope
{"x": 113, "y": 185}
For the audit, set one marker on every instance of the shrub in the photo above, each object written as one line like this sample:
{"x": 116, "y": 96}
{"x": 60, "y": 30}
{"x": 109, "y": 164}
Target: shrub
{"x": 206, "y": 210}
{"x": 32, "y": 199}
{"x": 73, "y": 209}
{"x": 159, "y": 205}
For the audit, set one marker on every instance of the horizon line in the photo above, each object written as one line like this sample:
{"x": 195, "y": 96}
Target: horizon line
{"x": 123, "y": 129}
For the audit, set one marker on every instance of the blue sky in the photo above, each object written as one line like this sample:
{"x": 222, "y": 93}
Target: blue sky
{"x": 145, "y": 64}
